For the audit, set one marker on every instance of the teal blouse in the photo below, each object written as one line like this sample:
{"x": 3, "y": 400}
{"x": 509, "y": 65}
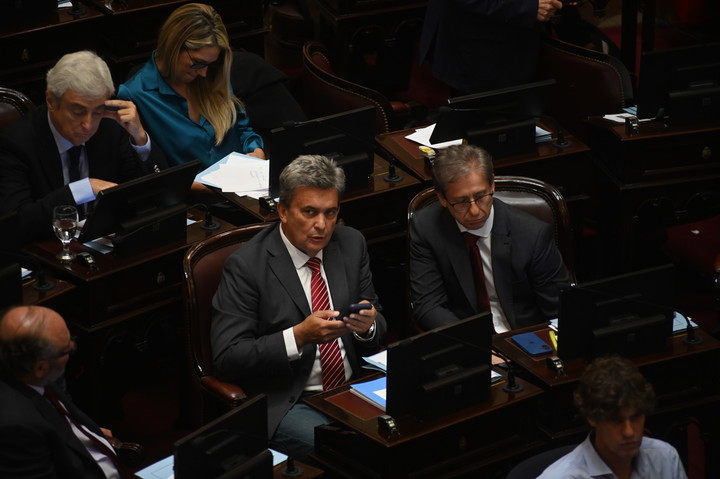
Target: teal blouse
{"x": 164, "y": 115}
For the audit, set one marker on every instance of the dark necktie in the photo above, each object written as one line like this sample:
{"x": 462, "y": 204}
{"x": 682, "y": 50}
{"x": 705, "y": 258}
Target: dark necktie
{"x": 331, "y": 363}
{"x": 97, "y": 443}
{"x": 74, "y": 163}
{"x": 478, "y": 272}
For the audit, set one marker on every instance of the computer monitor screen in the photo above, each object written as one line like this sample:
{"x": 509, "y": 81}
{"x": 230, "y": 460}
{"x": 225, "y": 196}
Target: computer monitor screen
{"x": 440, "y": 371}
{"x": 501, "y": 121}
{"x": 630, "y": 314}
{"x": 347, "y": 137}
{"x": 143, "y": 201}
{"x": 234, "y": 445}
{"x": 682, "y": 84}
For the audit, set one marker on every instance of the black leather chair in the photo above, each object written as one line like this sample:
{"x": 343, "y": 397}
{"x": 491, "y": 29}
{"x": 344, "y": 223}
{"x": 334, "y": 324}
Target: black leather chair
{"x": 13, "y": 105}
{"x": 325, "y": 93}
{"x": 202, "y": 266}
{"x": 589, "y": 83}
{"x": 532, "y": 467}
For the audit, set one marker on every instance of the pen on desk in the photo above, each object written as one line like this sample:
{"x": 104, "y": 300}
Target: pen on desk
{"x": 553, "y": 338}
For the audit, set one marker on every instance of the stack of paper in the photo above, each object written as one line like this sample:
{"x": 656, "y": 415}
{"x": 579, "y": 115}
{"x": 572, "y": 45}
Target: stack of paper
{"x": 239, "y": 174}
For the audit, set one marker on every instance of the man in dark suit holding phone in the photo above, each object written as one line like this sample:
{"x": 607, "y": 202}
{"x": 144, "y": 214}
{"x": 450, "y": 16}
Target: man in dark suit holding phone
{"x": 77, "y": 144}
{"x": 522, "y": 270}
{"x": 276, "y": 327}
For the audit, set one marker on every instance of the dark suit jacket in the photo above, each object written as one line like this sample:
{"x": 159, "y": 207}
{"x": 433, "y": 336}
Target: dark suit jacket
{"x": 260, "y": 295}
{"x": 36, "y": 442}
{"x": 478, "y": 45}
{"x": 31, "y": 178}
{"x": 527, "y": 267}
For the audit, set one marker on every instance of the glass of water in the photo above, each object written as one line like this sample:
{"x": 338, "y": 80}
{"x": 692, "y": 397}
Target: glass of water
{"x": 65, "y": 221}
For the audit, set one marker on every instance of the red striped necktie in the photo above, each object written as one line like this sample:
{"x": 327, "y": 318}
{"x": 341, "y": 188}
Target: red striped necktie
{"x": 478, "y": 272}
{"x": 331, "y": 363}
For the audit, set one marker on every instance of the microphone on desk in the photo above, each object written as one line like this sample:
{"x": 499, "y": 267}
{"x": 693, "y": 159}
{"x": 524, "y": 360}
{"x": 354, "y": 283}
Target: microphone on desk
{"x": 42, "y": 283}
{"x": 291, "y": 469}
{"x": 76, "y": 9}
{"x": 512, "y": 385}
{"x": 208, "y": 223}
{"x": 392, "y": 176}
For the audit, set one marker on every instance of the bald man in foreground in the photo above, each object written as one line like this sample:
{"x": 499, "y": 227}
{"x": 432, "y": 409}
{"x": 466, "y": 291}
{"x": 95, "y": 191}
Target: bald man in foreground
{"x": 42, "y": 434}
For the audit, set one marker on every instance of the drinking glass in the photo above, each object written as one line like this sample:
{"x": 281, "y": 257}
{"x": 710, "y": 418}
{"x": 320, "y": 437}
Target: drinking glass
{"x": 65, "y": 221}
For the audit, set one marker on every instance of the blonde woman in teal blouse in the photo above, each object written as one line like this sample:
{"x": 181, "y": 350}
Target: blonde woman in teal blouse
{"x": 184, "y": 95}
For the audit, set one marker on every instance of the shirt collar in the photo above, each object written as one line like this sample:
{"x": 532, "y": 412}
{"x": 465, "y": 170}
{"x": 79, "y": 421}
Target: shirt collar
{"x": 298, "y": 257}
{"x": 486, "y": 229}
{"x": 62, "y": 143}
{"x": 153, "y": 80}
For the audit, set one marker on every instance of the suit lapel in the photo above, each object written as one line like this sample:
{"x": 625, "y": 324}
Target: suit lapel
{"x": 51, "y": 163}
{"x": 501, "y": 259}
{"x": 336, "y": 274}
{"x": 458, "y": 255}
{"x": 284, "y": 270}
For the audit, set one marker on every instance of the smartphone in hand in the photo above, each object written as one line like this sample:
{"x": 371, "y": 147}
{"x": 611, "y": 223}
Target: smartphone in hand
{"x": 352, "y": 308}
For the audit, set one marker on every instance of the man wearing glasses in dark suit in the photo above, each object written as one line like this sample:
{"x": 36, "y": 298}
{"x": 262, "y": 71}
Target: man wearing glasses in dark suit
{"x": 471, "y": 253}
{"x": 42, "y": 433}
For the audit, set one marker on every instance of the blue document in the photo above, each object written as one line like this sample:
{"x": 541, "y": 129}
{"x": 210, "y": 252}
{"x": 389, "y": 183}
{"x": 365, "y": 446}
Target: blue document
{"x": 374, "y": 391}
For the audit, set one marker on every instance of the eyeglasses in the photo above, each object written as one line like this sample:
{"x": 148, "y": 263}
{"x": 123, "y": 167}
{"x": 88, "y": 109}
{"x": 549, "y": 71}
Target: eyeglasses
{"x": 198, "y": 65}
{"x": 464, "y": 206}
{"x": 69, "y": 351}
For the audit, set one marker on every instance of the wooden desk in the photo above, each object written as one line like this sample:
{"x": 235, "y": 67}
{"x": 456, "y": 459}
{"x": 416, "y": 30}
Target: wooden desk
{"x": 684, "y": 377}
{"x": 460, "y": 442}
{"x": 568, "y": 169}
{"x": 44, "y": 297}
{"x": 121, "y": 287}
{"x": 124, "y": 313}
{"x": 649, "y": 178}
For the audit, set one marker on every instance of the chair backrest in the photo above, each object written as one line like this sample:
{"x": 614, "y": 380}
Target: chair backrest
{"x": 325, "y": 93}
{"x": 536, "y": 197}
{"x": 13, "y": 105}
{"x": 533, "y": 466}
{"x": 589, "y": 83}
{"x": 203, "y": 265}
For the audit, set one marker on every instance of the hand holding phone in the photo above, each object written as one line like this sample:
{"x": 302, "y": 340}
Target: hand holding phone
{"x": 353, "y": 308}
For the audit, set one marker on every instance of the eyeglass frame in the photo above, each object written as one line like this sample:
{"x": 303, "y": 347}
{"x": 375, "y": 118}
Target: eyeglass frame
{"x": 70, "y": 351}
{"x": 475, "y": 200}
{"x": 196, "y": 65}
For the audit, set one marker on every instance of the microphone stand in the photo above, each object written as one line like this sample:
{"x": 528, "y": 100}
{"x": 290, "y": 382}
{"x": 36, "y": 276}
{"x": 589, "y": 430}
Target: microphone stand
{"x": 512, "y": 386}
{"x": 76, "y": 10}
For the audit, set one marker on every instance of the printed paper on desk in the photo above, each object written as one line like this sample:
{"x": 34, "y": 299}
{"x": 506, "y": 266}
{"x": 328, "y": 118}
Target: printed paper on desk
{"x": 238, "y": 173}
{"x": 422, "y": 136}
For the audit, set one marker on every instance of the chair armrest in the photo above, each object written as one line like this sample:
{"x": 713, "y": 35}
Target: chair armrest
{"x": 230, "y": 393}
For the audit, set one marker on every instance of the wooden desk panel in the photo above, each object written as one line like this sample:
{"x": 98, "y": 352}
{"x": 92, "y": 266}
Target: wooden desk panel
{"x": 121, "y": 287}
{"x": 463, "y": 441}
{"x": 684, "y": 377}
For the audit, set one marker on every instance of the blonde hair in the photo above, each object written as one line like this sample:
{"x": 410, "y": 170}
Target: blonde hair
{"x": 191, "y": 27}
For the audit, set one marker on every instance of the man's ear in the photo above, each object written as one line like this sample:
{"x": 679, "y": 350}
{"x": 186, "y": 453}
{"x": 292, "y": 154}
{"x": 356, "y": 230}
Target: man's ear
{"x": 441, "y": 199}
{"x": 50, "y": 100}
{"x": 40, "y": 369}
{"x": 282, "y": 211}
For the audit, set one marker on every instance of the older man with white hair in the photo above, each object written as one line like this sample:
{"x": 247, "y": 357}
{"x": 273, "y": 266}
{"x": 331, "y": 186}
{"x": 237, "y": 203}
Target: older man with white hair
{"x": 77, "y": 144}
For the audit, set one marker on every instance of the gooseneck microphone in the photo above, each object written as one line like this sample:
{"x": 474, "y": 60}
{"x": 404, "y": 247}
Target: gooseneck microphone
{"x": 208, "y": 223}
{"x": 76, "y": 9}
{"x": 512, "y": 386}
